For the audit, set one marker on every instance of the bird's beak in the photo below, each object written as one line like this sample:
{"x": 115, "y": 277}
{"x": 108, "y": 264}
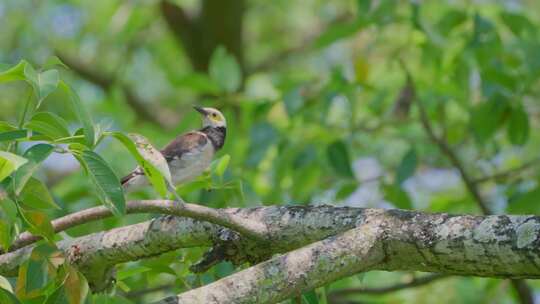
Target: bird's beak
{"x": 200, "y": 110}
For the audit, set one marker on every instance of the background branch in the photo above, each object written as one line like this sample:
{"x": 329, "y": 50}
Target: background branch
{"x": 107, "y": 83}
{"x": 414, "y": 282}
{"x": 524, "y": 292}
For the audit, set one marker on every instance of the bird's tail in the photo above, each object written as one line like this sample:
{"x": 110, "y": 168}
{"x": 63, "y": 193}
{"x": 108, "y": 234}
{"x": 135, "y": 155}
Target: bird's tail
{"x": 133, "y": 180}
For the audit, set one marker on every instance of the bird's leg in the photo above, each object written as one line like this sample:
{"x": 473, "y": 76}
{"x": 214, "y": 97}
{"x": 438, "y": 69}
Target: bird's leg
{"x": 172, "y": 189}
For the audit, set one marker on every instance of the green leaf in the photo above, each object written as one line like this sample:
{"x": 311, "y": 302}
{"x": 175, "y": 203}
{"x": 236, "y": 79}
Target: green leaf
{"x": 397, "y": 196}
{"x": 82, "y": 114}
{"x": 58, "y": 296}
{"x": 49, "y": 124}
{"x": 526, "y": 203}
{"x": 152, "y": 162}
{"x": 7, "y": 297}
{"x": 224, "y": 70}
{"x": 35, "y": 155}
{"x": 6, "y": 236}
{"x": 220, "y": 165}
{"x": 518, "y": 127}
{"x": 14, "y": 73}
{"x": 39, "y": 223}
{"x": 33, "y": 272}
{"x": 338, "y": 157}
{"x": 12, "y": 135}
{"x": 76, "y": 286}
{"x": 132, "y": 271}
{"x": 487, "y": 117}
{"x": 107, "y": 184}
{"x": 36, "y": 195}
{"x": 293, "y": 101}
{"x": 346, "y": 190}
{"x": 406, "y": 167}
{"x": 43, "y": 83}
{"x": 337, "y": 32}
{"x": 310, "y": 297}
{"x": 9, "y": 208}
{"x": 9, "y": 162}
{"x": 5, "y": 126}
{"x": 200, "y": 83}
{"x": 47, "y": 83}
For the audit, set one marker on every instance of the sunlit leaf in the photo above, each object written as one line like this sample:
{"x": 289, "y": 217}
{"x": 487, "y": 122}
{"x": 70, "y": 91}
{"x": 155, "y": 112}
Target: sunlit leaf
{"x": 35, "y": 155}
{"x": 4, "y": 284}
{"x": 9, "y": 162}
{"x": 14, "y": 73}
{"x": 107, "y": 184}
{"x": 225, "y": 70}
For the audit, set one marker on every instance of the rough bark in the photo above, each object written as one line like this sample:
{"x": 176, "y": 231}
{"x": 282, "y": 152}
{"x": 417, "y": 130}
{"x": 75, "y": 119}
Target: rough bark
{"x": 491, "y": 246}
{"x": 495, "y": 246}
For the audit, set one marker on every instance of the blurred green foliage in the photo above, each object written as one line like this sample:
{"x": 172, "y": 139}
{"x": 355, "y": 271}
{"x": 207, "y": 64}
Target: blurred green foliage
{"x": 319, "y": 110}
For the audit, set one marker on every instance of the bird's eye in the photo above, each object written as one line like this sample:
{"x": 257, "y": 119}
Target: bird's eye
{"x": 214, "y": 115}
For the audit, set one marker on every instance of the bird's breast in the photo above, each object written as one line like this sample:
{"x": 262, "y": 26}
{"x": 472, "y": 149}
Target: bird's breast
{"x": 191, "y": 164}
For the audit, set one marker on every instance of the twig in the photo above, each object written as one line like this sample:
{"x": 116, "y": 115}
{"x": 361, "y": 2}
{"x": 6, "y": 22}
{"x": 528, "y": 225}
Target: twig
{"x": 307, "y": 43}
{"x": 508, "y": 173}
{"x": 241, "y": 225}
{"x": 415, "y": 282}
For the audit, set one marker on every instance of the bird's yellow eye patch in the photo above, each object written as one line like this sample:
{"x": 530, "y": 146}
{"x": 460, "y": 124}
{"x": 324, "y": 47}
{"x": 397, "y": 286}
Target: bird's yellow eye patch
{"x": 215, "y": 117}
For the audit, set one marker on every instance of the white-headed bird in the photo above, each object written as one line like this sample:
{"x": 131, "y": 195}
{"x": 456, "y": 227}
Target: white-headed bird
{"x": 189, "y": 154}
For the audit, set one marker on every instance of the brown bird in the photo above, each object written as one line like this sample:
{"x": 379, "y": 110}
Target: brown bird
{"x": 189, "y": 154}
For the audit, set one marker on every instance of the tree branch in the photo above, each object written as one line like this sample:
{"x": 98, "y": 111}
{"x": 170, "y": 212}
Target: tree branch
{"x": 220, "y": 217}
{"x": 505, "y": 246}
{"x": 490, "y": 246}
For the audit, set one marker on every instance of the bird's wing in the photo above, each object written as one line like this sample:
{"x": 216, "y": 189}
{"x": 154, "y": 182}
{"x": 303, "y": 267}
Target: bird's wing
{"x": 192, "y": 142}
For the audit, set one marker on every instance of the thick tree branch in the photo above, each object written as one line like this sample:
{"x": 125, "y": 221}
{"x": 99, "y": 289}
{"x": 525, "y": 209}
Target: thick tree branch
{"x": 491, "y": 246}
{"x": 505, "y": 246}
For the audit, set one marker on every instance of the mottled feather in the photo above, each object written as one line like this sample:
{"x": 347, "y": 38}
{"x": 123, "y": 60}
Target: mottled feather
{"x": 189, "y": 142}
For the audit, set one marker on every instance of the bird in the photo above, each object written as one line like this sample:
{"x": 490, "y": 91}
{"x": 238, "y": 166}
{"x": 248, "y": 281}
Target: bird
{"x": 189, "y": 154}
